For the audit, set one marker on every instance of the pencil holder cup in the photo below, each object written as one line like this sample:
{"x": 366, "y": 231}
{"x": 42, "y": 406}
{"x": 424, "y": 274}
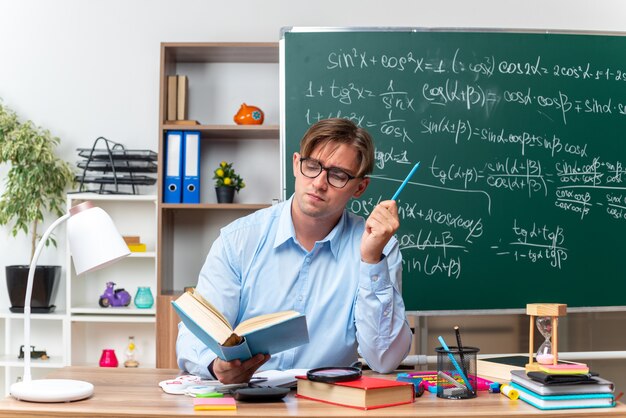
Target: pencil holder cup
{"x": 456, "y": 372}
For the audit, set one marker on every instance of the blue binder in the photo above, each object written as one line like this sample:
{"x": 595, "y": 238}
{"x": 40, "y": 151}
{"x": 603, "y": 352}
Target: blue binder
{"x": 191, "y": 177}
{"x": 172, "y": 186}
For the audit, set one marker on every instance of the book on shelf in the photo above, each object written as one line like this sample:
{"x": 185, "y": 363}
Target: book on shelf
{"x": 595, "y": 384}
{"x": 172, "y": 96}
{"x": 547, "y": 402}
{"x": 181, "y": 102}
{"x": 139, "y": 247}
{"x": 267, "y": 334}
{"x": 364, "y": 393}
{"x": 499, "y": 368}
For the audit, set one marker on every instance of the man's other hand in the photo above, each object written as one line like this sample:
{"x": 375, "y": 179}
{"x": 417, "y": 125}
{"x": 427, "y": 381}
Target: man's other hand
{"x": 238, "y": 371}
{"x": 380, "y": 226}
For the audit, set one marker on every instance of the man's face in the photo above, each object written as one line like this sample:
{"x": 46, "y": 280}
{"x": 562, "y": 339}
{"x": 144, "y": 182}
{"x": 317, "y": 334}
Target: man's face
{"x": 314, "y": 197}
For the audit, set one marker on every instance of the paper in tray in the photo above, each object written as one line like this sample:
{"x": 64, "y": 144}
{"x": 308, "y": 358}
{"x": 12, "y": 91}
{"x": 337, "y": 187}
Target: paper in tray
{"x": 117, "y": 154}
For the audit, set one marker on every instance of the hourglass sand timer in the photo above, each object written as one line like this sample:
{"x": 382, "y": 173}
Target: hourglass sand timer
{"x": 544, "y": 352}
{"x": 546, "y": 317}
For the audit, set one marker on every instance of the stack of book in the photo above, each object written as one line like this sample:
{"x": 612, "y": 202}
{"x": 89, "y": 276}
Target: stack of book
{"x": 176, "y": 111}
{"x": 545, "y": 391}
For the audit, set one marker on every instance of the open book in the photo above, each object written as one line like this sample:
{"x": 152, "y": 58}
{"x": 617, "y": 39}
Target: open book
{"x": 267, "y": 334}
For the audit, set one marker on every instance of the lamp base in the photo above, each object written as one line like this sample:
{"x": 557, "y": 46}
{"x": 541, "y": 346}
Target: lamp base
{"x": 51, "y": 390}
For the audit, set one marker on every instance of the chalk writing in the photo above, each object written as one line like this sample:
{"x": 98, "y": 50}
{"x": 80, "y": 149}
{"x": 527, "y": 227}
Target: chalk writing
{"x": 522, "y": 144}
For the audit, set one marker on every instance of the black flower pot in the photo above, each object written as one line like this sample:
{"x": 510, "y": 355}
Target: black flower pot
{"x": 45, "y": 284}
{"x": 225, "y": 194}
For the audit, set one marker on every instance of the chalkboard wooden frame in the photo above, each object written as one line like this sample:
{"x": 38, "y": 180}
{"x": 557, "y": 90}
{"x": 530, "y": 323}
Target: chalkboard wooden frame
{"x": 423, "y": 298}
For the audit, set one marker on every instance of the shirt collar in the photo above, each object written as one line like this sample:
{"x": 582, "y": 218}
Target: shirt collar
{"x": 286, "y": 231}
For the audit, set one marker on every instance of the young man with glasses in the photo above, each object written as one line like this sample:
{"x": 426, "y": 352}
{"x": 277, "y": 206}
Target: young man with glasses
{"x": 311, "y": 255}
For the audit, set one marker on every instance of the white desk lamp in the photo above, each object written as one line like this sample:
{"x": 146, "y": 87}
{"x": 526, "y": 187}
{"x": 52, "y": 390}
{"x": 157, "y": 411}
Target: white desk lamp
{"x": 94, "y": 243}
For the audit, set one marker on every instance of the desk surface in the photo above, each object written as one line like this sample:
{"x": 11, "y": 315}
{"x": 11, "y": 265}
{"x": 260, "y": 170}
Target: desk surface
{"x": 135, "y": 393}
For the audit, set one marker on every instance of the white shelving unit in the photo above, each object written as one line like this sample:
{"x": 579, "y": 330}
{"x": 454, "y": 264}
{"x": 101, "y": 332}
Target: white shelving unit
{"x": 79, "y": 329}
{"x": 93, "y": 328}
{"x": 45, "y": 332}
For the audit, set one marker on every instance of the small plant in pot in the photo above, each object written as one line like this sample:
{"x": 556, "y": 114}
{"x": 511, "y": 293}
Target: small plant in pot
{"x": 227, "y": 182}
{"x": 35, "y": 185}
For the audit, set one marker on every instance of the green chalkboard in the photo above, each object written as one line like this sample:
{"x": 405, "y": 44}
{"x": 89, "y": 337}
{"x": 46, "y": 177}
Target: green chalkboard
{"x": 521, "y": 193}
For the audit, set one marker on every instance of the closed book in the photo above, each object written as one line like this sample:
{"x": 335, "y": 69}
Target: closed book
{"x": 131, "y": 239}
{"x": 547, "y": 402}
{"x": 364, "y": 393}
{"x": 499, "y": 368}
{"x": 267, "y": 334}
{"x": 172, "y": 96}
{"x": 596, "y": 384}
{"x": 137, "y": 248}
{"x": 181, "y": 103}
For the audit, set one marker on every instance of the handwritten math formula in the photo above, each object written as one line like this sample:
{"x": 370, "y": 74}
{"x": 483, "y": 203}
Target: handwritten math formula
{"x": 522, "y": 149}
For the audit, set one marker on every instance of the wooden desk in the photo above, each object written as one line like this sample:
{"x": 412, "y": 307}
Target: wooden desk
{"x": 135, "y": 393}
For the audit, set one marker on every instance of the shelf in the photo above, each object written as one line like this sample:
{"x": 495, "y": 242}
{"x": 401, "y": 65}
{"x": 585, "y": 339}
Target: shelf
{"x": 113, "y": 197}
{"x": 202, "y": 52}
{"x": 267, "y": 132}
{"x": 54, "y": 316}
{"x": 13, "y": 361}
{"x": 142, "y": 254}
{"x": 216, "y": 206}
{"x": 94, "y": 309}
{"x": 122, "y": 318}
{"x": 121, "y": 366}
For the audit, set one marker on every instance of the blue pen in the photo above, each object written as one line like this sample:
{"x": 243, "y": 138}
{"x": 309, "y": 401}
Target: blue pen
{"x": 406, "y": 180}
{"x": 456, "y": 365}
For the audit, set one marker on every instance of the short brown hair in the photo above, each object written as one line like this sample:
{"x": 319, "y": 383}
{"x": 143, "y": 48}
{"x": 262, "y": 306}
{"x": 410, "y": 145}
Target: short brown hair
{"x": 341, "y": 131}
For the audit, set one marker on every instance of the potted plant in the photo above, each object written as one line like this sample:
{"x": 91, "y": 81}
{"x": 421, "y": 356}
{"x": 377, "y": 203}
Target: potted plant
{"x": 227, "y": 182}
{"x": 35, "y": 185}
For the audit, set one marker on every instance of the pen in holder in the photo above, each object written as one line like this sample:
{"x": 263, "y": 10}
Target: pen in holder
{"x": 456, "y": 372}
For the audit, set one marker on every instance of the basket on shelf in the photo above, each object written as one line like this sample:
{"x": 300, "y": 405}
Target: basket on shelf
{"x": 115, "y": 169}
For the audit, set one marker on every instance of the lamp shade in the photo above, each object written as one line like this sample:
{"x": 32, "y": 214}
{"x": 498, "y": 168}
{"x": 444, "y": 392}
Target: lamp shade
{"x": 93, "y": 238}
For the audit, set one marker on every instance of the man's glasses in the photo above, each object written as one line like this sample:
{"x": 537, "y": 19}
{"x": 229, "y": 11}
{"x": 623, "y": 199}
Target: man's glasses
{"x": 336, "y": 177}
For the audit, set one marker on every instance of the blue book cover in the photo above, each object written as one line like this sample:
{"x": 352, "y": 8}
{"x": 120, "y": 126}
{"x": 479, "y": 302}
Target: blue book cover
{"x": 267, "y": 334}
{"x": 547, "y": 402}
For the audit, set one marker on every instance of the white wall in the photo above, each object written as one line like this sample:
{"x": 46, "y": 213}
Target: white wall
{"x": 84, "y": 69}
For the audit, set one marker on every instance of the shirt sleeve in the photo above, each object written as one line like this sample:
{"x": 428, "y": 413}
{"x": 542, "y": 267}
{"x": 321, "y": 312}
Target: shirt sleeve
{"x": 383, "y": 334}
{"x": 219, "y": 283}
